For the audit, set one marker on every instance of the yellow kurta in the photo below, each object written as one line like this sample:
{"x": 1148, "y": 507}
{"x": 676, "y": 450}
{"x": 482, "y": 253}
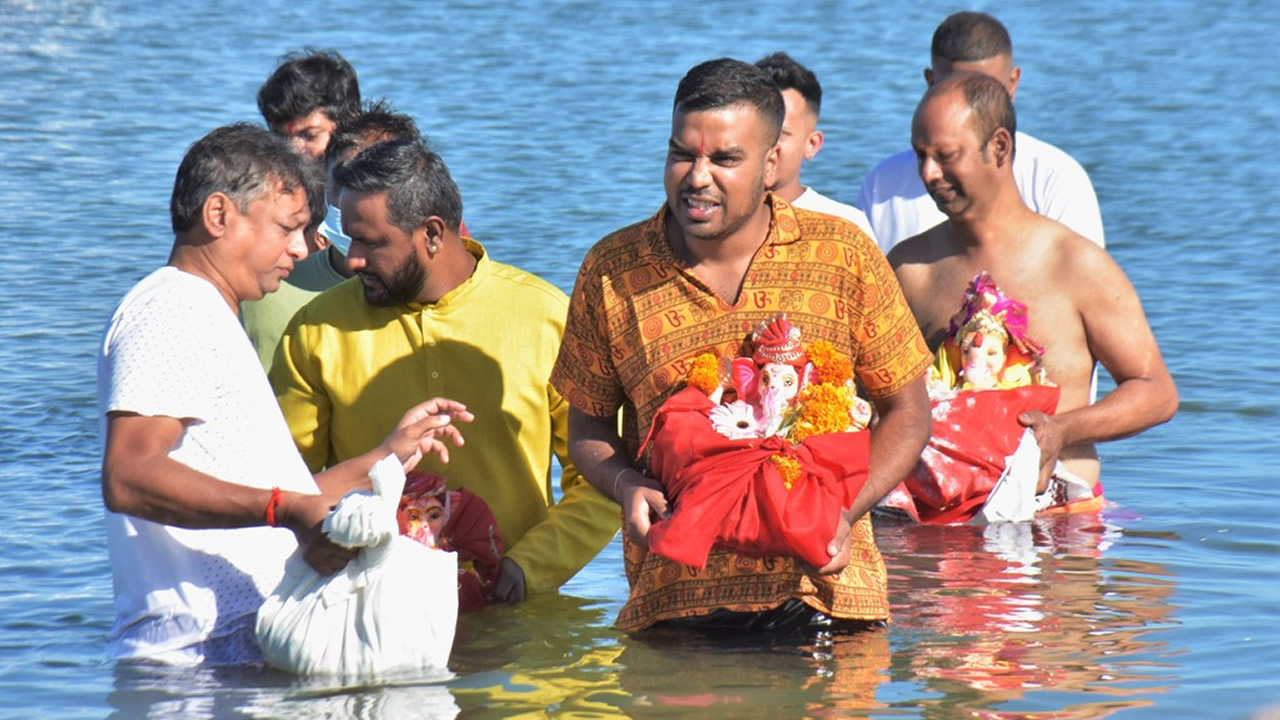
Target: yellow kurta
{"x": 346, "y": 371}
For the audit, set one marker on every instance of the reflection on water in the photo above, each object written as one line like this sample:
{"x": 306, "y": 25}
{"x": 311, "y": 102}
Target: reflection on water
{"x": 1043, "y": 620}
{"x": 554, "y": 652}
{"x": 677, "y": 674}
{"x": 1028, "y": 620}
{"x": 149, "y": 691}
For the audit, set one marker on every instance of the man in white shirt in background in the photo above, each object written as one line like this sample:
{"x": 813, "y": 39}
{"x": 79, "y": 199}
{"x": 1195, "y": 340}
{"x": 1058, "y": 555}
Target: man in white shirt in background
{"x": 801, "y": 139}
{"x": 1050, "y": 181}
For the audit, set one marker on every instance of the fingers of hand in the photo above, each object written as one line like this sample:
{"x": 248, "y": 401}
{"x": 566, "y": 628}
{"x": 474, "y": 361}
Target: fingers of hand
{"x": 657, "y": 504}
{"x": 429, "y": 425}
{"x": 837, "y": 564}
{"x": 441, "y": 406}
{"x": 444, "y": 405}
{"x": 430, "y": 445}
{"x": 840, "y": 542}
{"x": 453, "y": 434}
{"x": 638, "y": 525}
{"x": 839, "y": 550}
{"x": 510, "y": 587}
{"x": 326, "y": 557}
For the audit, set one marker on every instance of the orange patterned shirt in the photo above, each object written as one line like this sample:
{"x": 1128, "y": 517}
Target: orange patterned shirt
{"x": 639, "y": 315}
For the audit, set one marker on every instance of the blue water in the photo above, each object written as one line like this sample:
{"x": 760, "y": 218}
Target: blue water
{"x": 553, "y": 118}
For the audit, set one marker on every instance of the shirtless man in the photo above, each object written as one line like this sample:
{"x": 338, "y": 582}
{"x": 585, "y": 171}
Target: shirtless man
{"x": 1050, "y": 181}
{"x": 1082, "y": 307}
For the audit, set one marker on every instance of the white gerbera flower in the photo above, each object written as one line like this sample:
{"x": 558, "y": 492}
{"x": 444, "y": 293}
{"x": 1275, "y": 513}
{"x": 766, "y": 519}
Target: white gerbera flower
{"x": 736, "y": 421}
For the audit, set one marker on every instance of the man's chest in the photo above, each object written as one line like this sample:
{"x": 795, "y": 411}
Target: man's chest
{"x": 657, "y": 330}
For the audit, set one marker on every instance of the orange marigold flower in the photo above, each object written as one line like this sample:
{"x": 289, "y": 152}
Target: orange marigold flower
{"x": 788, "y": 469}
{"x": 824, "y": 408}
{"x": 829, "y": 365}
{"x": 704, "y": 373}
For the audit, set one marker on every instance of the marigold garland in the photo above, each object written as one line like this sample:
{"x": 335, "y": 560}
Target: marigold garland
{"x": 829, "y": 364}
{"x": 788, "y": 469}
{"x": 704, "y": 373}
{"x": 823, "y": 408}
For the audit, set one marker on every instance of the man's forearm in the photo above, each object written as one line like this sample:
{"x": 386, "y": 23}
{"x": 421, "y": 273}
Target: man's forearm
{"x": 1134, "y": 406}
{"x": 575, "y": 530}
{"x": 896, "y": 443}
{"x": 350, "y": 474}
{"x": 597, "y": 451}
{"x": 164, "y": 490}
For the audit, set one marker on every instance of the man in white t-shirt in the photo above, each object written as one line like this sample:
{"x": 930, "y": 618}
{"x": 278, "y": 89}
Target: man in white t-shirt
{"x": 1050, "y": 181}
{"x": 200, "y": 476}
{"x": 801, "y": 139}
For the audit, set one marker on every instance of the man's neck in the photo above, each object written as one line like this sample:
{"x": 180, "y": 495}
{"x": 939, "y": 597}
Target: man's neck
{"x": 994, "y": 224}
{"x": 191, "y": 259}
{"x": 789, "y": 191}
{"x": 722, "y": 263}
{"x": 453, "y": 265}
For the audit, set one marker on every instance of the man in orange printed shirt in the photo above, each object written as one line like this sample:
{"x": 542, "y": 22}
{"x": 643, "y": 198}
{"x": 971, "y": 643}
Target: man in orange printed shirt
{"x": 721, "y": 256}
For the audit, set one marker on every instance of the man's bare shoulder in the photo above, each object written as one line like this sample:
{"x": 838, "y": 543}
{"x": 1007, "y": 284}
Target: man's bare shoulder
{"x": 924, "y": 249}
{"x": 1076, "y": 259}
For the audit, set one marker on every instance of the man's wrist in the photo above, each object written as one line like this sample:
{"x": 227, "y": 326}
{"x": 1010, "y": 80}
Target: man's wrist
{"x": 273, "y": 504}
{"x": 616, "y": 478}
{"x": 284, "y": 509}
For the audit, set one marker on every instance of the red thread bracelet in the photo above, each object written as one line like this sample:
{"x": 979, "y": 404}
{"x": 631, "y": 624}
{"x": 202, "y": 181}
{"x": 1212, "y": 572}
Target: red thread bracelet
{"x": 271, "y": 506}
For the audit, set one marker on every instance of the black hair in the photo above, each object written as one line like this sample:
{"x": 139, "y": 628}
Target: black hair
{"x": 969, "y": 37}
{"x": 725, "y": 82}
{"x": 788, "y": 74}
{"x": 305, "y": 81}
{"x": 415, "y": 179}
{"x": 374, "y": 123}
{"x": 243, "y": 161}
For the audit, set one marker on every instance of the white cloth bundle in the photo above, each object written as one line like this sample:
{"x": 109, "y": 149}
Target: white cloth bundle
{"x": 1013, "y": 498}
{"x": 392, "y": 610}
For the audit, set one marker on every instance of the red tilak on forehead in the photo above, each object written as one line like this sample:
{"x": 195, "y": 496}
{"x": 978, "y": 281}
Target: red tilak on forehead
{"x": 702, "y": 145}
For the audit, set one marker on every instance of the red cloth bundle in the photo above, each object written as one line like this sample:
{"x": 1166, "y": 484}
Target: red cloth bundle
{"x": 458, "y": 521}
{"x": 973, "y": 432}
{"x": 729, "y": 493}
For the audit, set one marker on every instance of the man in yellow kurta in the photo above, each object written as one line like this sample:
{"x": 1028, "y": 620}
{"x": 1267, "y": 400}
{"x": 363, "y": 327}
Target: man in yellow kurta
{"x": 430, "y": 312}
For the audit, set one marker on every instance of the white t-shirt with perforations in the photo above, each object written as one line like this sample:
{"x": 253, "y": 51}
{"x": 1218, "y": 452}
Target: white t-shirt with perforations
{"x": 174, "y": 348}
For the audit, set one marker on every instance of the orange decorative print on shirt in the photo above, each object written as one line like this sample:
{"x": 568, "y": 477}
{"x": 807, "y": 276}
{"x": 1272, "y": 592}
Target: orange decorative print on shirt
{"x": 621, "y": 351}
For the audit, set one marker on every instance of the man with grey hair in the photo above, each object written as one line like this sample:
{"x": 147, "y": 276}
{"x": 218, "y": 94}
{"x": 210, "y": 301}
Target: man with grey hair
{"x": 200, "y": 479}
{"x": 1049, "y": 180}
{"x": 432, "y": 312}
